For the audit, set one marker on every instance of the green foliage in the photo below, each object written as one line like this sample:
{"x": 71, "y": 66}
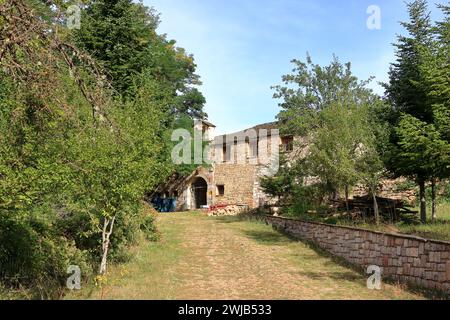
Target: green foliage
{"x": 122, "y": 36}
{"x": 149, "y": 229}
{"x": 197, "y": 147}
{"x": 281, "y": 184}
{"x": 32, "y": 253}
{"x": 332, "y": 109}
{"x": 74, "y": 153}
{"x": 309, "y": 198}
{"x": 311, "y": 89}
{"x": 421, "y": 143}
{"x": 353, "y": 136}
{"x": 418, "y": 92}
{"x": 446, "y": 192}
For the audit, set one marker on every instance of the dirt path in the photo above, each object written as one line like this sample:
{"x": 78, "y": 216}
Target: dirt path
{"x": 223, "y": 258}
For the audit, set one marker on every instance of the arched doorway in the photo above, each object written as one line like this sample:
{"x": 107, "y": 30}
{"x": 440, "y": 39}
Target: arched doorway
{"x": 200, "y": 189}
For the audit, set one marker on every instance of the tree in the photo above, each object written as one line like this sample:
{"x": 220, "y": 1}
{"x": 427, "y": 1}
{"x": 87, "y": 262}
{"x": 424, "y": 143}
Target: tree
{"x": 75, "y": 158}
{"x": 281, "y": 184}
{"x": 122, "y": 36}
{"x": 329, "y": 106}
{"x": 435, "y": 67}
{"x": 420, "y": 143}
{"x": 310, "y": 89}
{"x": 407, "y": 94}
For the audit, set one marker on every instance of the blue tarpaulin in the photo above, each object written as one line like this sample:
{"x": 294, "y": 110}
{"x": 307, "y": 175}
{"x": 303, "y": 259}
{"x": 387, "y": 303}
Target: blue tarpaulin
{"x": 164, "y": 204}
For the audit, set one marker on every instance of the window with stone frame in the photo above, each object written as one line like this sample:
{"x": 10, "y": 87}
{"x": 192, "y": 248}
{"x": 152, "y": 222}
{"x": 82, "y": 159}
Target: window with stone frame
{"x": 220, "y": 190}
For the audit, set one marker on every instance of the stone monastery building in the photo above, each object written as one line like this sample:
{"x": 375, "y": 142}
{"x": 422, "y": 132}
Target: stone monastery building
{"x": 239, "y": 160}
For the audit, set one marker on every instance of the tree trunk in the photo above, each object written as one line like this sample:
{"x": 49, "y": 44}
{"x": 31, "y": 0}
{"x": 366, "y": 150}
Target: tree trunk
{"x": 336, "y": 194}
{"x": 433, "y": 200}
{"x": 375, "y": 207}
{"x": 105, "y": 242}
{"x": 423, "y": 202}
{"x": 346, "y": 199}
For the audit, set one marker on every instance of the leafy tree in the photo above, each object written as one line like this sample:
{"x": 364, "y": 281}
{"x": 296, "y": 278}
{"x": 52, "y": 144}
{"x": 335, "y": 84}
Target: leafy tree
{"x": 75, "y": 159}
{"x": 310, "y": 89}
{"x": 405, "y": 93}
{"x": 122, "y": 36}
{"x": 329, "y": 106}
{"x": 422, "y": 144}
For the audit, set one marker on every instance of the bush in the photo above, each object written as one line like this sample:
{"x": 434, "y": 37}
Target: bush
{"x": 307, "y": 198}
{"x": 148, "y": 226}
{"x": 32, "y": 255}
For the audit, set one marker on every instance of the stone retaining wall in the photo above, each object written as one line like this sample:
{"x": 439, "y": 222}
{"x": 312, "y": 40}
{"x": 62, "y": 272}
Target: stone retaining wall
{"x": 408, "y": 259}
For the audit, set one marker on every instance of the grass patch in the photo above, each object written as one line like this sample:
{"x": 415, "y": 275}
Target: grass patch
{"x": 146, "y": 275}
{"x": 8, "y": 294}
{"x": 202, "y": 257}
{"x": 331, "y": 277}
{"x": 439, "y": 230}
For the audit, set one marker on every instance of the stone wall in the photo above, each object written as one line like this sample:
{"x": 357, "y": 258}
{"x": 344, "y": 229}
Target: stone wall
{"x": 238, "y": 180}
{"x": 408, "y": 259}
{"x": 389, "y": 189}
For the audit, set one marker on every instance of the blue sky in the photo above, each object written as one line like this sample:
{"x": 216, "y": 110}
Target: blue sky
{"x": 243, "y": 47}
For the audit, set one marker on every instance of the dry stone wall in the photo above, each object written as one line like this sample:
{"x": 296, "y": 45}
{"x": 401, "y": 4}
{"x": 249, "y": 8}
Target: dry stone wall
{"x": 408, "y": 259}
{"x": 389, "y": 189}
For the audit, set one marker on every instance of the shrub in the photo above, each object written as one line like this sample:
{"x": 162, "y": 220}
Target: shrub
{"x": 308, "y": 198}
{"x": 148, "y": 225}
{"x": 33, "y": 255}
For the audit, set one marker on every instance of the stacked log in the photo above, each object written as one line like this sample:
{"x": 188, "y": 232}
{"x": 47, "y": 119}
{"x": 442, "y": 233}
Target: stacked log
{"x": 226, "y": 210}
{"x": 364, "y": 206}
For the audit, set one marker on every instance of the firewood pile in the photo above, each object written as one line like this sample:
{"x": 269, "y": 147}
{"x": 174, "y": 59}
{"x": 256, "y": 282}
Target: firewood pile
{"x": 361, "y": 207}
{"x": 226, "y": 210}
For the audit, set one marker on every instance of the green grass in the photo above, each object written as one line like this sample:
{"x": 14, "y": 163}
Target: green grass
{"x": 443, "y": 211}
{"x": 8, "y": 294}
{"x": 436, "y": 231}
{"x": 230, "y": 258}
{"x": 439, "y": 230}
{"x": 146, "y": 275}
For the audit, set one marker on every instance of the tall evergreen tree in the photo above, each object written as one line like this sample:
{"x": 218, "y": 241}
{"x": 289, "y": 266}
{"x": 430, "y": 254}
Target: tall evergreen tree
{"x": 435, "y": 66}
{"x": 408, "y": 95}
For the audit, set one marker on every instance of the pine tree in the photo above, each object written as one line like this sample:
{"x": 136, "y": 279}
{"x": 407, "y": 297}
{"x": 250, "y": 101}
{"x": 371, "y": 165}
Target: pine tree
{"x": 435, "y": 67}
{"x": 408, "y": 95}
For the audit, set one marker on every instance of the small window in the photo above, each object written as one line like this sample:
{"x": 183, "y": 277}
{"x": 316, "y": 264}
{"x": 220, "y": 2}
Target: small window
{"x": 287, "y": 144}
{"x": 220, "y": 190}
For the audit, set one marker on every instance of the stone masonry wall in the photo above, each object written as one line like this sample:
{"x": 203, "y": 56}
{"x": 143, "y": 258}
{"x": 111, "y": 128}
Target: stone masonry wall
{"x": 408, "y": 259}
{"x": 388, "y": 189}
{"x": 238, "y": 180}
